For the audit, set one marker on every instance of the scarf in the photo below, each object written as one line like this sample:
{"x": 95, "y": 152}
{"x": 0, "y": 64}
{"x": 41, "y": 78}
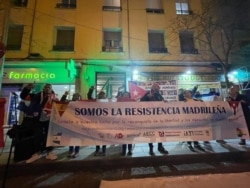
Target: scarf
{"x": 48, "y": 104}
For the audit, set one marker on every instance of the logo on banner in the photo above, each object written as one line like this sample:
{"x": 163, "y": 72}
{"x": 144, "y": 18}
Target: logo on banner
{"x": 118, "y": 135}
{"x": 149, "y": 134}
{"x": 57, "y": 138}
{"x": 161, "y": 133}
{"x": 234, "y": 105}
{"x": 133, "y": 135}
{"x": 61, "y": 107}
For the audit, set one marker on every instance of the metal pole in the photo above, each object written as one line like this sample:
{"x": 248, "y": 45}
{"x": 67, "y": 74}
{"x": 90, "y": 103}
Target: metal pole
{"x": 32, "y": 26}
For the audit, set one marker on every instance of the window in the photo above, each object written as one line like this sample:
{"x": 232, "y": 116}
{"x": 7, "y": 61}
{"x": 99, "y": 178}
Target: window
{"x": 187, "y": 43}
{"x": 111, "y": 83}
{"x": 112, "y": 41}
{"x": 66, "y": 4}
{"x": 111, "y": 5}
{"x": 65, "y": 37}
{"x": 21, "y": 3}
{"x": 15, "y": 35}
{"x": 156, "y": 42}
{"x": 181, "y": 7}
{"x": 154, "y": 6}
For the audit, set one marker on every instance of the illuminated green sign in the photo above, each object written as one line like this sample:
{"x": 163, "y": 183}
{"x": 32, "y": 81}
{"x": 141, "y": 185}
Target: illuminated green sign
{"x": 28, "y": 75}
{"x": 71, "y": 68}
{"x": 40, "y": 72}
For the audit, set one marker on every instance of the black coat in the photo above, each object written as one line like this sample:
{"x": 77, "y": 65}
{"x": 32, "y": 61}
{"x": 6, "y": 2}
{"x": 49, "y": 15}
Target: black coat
{"x": 245, "y": 108}
{"x": 156, "y": 97}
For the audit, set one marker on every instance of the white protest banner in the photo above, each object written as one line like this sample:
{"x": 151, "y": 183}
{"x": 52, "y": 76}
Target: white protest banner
{"x": 104, "y": 123}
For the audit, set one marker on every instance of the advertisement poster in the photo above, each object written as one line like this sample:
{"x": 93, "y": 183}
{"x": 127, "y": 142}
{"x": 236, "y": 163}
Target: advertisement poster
{"x": 168, "y": 89}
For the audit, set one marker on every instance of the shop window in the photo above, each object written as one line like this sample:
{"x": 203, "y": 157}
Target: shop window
{"x": 66, "y": 4}
{"x": 156, "y": 42}
{"x": 15, "y": 35}
{"x": 181, "y": 7}
{"x": 111, "y": 5}
{"x": 187, "y": 43}
{"x": 110, "y": 83}
{"x": 112, "y": 41}
{"x": 20, "y": 3}
{"x": 154, "y": 6}
{"x": 65, "y": 37}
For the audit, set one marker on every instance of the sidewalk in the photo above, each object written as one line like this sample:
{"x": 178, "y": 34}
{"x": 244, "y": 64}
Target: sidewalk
{"x": 89, "y": 171}
{"x": 175, "y": 149}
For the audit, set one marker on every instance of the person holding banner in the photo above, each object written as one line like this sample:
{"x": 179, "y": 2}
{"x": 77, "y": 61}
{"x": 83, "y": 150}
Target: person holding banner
{"x": 154, "y": 95}
{"x": 101, "y": 95}
{"x": 125, "y": 97}
{"x": 188, "y": 96}
{"x": 181, "y": 93}
{"x": 40, "y": 109}
{"x": 25, "y": 96}
{"x": 73, "y": 150}
{"x": 64, "y": 97}
{"x": 234, "y": 95}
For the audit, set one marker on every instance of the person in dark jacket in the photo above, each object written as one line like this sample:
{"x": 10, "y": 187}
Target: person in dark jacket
{"x": 101, "y": 95}
{"x": 73, "y": 150}
{"x": 90, "y": 93}
{"x": 124, "y": 97}
{"x": 64, "y": 97}
{"x": 25, "y": 95}
{"x": 154, "y": 95}
{"x": 40, "y": 109}
{"x": 188, "y": 96}
{"x": 234, "y": 95}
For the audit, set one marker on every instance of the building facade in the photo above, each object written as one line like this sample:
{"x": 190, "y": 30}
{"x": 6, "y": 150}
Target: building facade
{"x": 78, "y": 44}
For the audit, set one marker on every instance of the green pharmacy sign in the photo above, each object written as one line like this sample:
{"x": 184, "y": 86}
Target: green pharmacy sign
{"x": 41, "y": 72}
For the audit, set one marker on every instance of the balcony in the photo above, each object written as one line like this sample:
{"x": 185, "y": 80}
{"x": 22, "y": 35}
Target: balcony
{"x": 111, "y": 8}
{"x": 65, "y": 5}
{"x": 63, "y": 48}
{"x": 158, "y": 50}
{"x": 190, "y": 51}
{"x": 156, "y": 11}
{"x": 112, "y": 49}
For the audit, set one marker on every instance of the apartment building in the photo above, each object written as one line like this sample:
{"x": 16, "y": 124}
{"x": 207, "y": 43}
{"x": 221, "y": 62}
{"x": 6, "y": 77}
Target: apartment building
{"x": 75, "y": 44}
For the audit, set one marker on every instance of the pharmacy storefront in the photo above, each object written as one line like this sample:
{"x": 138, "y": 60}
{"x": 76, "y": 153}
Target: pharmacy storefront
{"x": 61, "y": 74}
